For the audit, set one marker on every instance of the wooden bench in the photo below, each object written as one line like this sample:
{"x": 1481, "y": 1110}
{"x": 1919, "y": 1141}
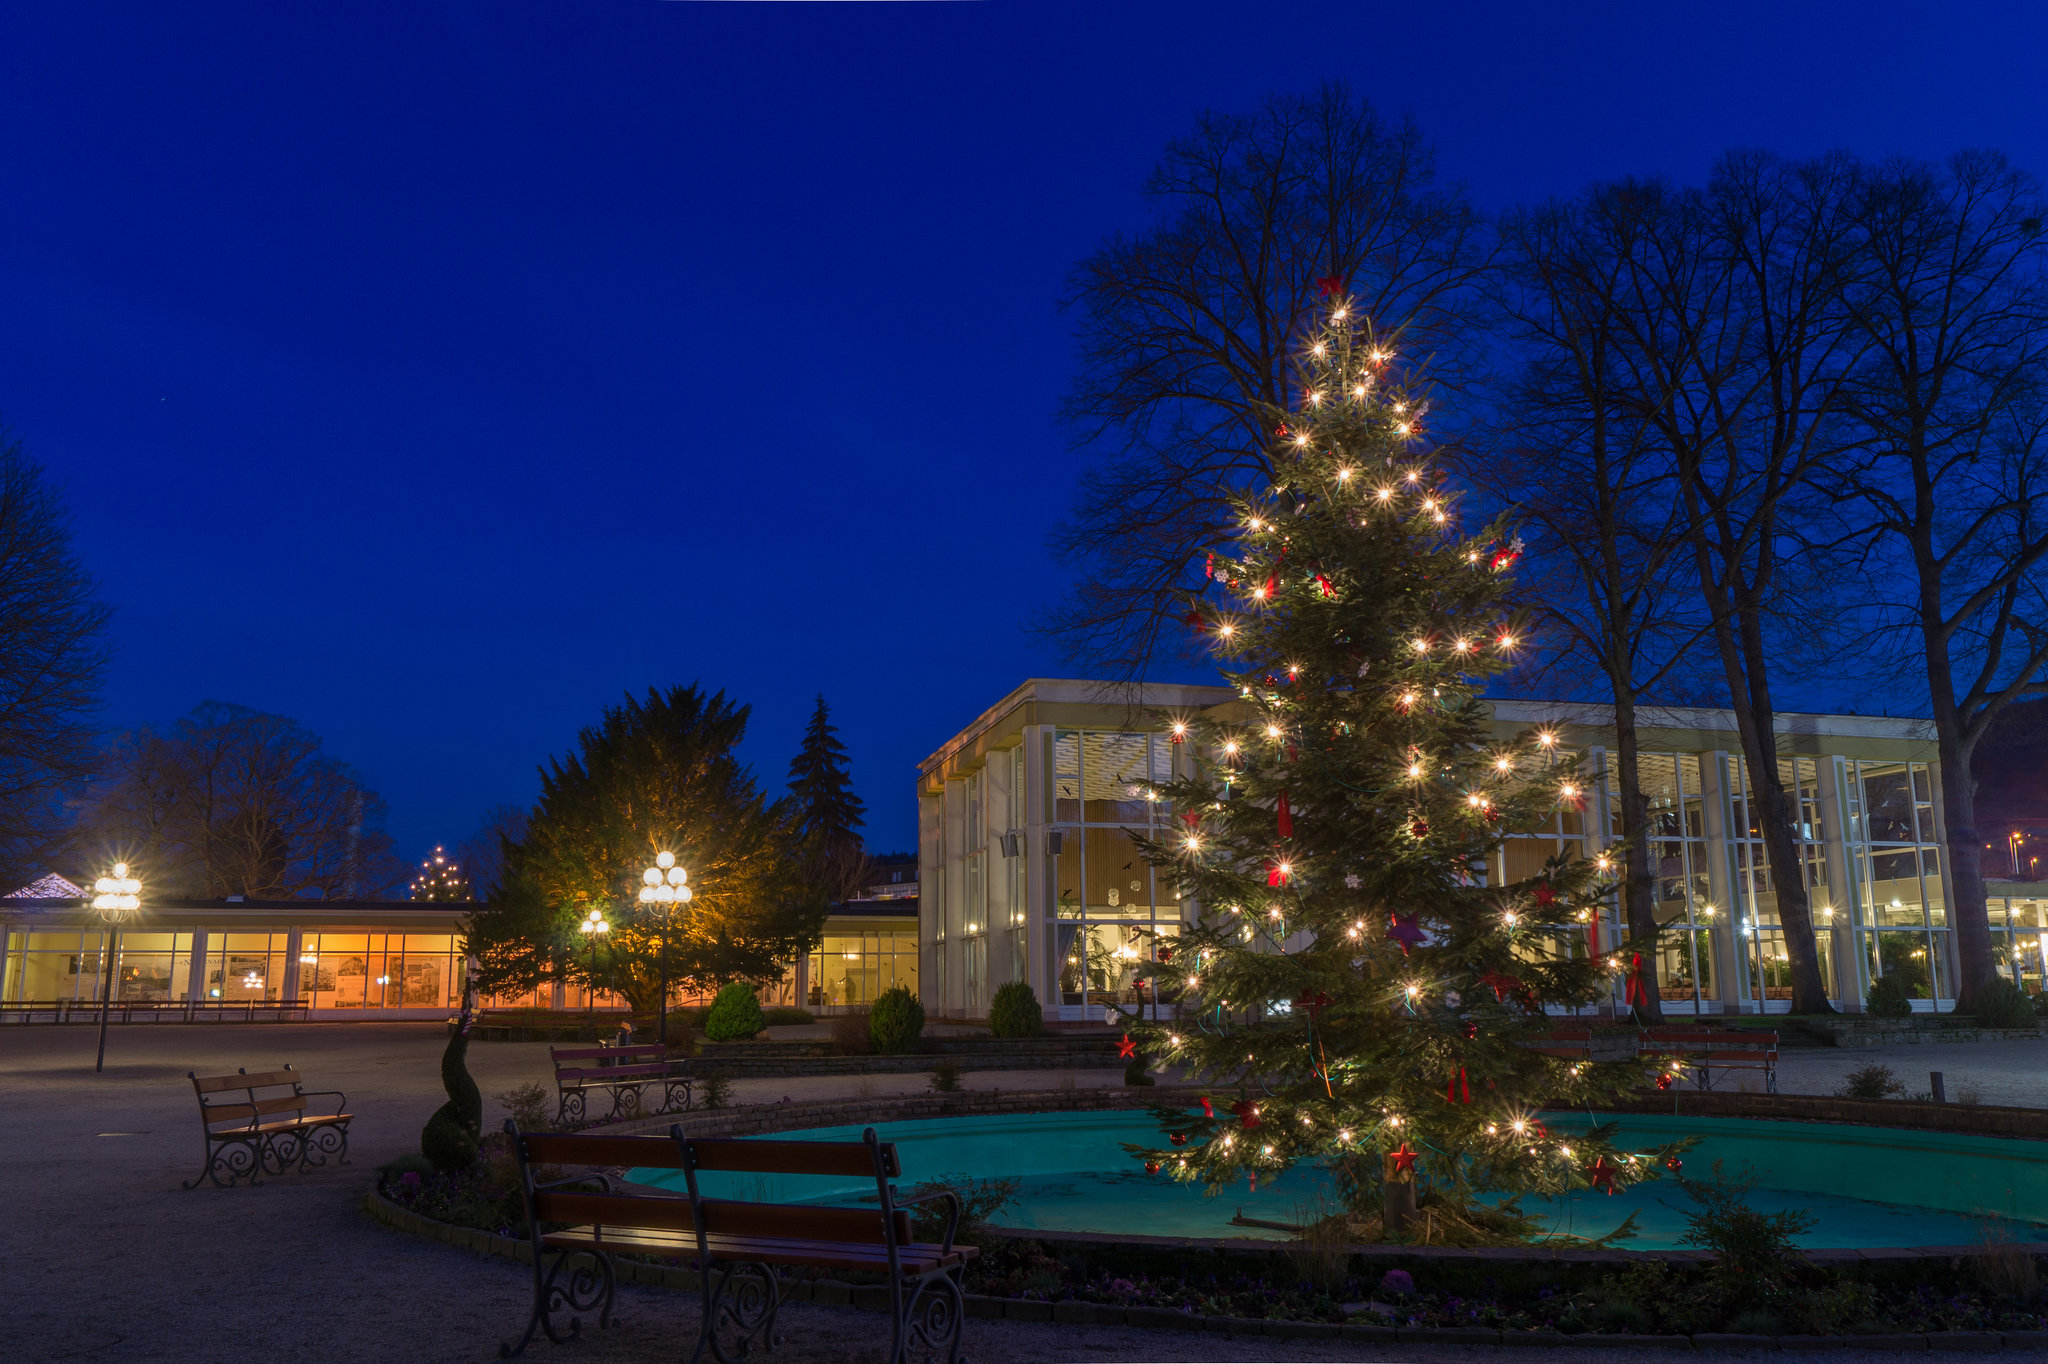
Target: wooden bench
{"x": 624, "y": 1071}
{"x": 1566, "y": 1044}
{"x": 735, "y": 1244}
{"x": 262, "y": 1124}
{"x": 1703, "y": 1051}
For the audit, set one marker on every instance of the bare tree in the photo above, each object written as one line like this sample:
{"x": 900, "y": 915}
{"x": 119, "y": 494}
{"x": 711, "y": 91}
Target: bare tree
{"x": 482, "y": 854}
{"x": 53, "y": 659}
{"x": 1950, "y": 486}
{"x": 1185, "y": 330}
{"x": 1570, "y": 452}
{"x": 1750, "y": 369}
{"x": 233, "y": 801}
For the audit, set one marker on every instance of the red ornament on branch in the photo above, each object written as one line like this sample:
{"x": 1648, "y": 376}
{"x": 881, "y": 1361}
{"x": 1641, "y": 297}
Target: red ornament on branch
{"x": 1208, "y": 1111}
{"x": 1127, "y": 1050}
{"x": 1247, "y": 1113}
{"x": 1402, "y": 1162}
{"x": 1284, "y": 816}
{"x": 1635, "y": 994}
{"x": 1404, "y": 930}
{"x": 1546, "y": 894}
{"x": 1330, "y": 286}
{"x": 1323, "y": 586}
{"x": 1279, "y": 873}
{"x": 1602, "y": 1175}
{"x": 1456, "y": 1089}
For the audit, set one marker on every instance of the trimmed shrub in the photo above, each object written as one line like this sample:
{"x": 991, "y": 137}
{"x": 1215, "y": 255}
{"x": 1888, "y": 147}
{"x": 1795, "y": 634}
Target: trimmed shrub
{"x": 1888, "y": 998}
{"x": 783, "y": 1016}
{"x": 1014, "y": 1012}
{"x": 1874, "y": 1081}
{"x": 895, "y": 1020}
{"x": 451, "y": 1135}
{"x": 735, "y": 1014}
{"x": 2003, "y": 1004}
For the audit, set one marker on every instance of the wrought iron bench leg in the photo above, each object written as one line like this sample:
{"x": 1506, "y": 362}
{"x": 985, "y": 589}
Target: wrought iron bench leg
{"x": 749, "y": 1306}
{"x": 238, "y": 1155}
{"x": 928, "y": 1325}
{"x": 589, "y": 1286}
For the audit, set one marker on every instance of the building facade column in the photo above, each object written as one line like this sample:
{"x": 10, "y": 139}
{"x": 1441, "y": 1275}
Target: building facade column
{"x": 294, "y": 948}
{"x": 1731, "y": 964}
{"x": 195, "y": 990}
{"x": 1844, "y": 896}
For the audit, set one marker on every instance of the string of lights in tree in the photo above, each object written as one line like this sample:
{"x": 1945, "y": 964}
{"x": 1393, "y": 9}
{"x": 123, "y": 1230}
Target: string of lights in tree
{"x": 440, "y": 878}
{"x": 1362, "y": 984}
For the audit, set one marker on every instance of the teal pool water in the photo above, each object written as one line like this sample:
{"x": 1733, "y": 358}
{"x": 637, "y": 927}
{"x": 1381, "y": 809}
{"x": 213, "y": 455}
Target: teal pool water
{"x": 1866, "y": 1186}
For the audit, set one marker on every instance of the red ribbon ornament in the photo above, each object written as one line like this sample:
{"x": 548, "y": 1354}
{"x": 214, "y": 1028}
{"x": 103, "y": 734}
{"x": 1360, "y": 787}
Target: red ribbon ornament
{"x": 1329, "y": 286}
{"x": 1285, "y": 816}
{"x": 1456, "y": 1089}
{"x": 1634, "y": 994}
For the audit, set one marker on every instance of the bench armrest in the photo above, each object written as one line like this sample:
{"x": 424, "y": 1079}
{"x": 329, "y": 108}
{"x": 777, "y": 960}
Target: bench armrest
{"x": 340, "y": 1099}
{"x": 952, "y": 1215}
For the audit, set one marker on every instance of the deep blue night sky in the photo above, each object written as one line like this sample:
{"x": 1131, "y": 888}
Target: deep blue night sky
{"x": 432, "y": 373}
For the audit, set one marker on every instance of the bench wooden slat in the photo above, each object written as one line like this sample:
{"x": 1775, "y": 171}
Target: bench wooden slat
{"x": 266, "y": 1078}
{"x": 214, "y": 1084}
{"x": 745, "y": 1155}
{"x": 625, "y": 1210}
{"x": 914, "y": 1258}
{"x": 801, "y": 1222}
{"x": 550, "y": 1148}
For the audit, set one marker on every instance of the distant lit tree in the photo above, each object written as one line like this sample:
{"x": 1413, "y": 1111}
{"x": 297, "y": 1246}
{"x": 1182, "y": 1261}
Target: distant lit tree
{"x": 440, "y": 878}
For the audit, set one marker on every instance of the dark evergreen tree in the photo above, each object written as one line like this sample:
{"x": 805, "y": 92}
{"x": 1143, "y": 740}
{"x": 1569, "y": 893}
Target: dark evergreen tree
{"x": 829, "y": 813}
{"x": 440, "y": 878}
{"x": 1356, "y": 989}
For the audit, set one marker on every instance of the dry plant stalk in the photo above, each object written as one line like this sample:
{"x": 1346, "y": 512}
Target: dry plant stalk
{"x": 1320, "y": 1248}
{"x": 2003, "y": 1265}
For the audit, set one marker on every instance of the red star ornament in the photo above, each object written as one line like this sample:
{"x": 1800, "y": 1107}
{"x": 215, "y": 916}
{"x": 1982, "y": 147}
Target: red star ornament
{"x": 1602, "y": 1175}
{"x": 1402, "y": 1162}
{"x": 1126, "y": 1050}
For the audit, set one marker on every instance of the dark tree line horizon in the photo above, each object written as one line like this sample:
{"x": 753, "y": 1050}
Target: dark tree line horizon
{"x": 1786, "y": 421}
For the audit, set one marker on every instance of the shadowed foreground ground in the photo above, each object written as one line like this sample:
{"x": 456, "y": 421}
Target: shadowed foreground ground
{"x": 106, "y": 1258}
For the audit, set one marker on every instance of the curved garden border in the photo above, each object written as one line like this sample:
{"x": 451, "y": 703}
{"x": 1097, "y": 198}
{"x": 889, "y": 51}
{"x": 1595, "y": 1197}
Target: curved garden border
{"x": 875, "y": 1298}
{"x": 755, "y": 1119}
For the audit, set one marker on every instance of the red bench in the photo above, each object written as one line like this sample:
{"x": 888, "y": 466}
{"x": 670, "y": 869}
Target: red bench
{"x": 624, "y": 1071}
{"x": 1704, "y": 1051}
{"x": 735, "y": 1244}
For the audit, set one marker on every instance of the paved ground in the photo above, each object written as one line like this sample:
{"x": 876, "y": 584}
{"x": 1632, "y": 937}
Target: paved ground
{"x": 106, "y": 1258}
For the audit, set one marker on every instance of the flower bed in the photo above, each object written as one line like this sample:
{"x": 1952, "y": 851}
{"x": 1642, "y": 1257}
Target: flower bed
{"x": 1150, "y": 1285}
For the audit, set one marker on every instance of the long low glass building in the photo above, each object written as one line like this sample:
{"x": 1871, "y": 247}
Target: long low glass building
{"x": 1028, "y": 872}
{"x": 339, "y": 958}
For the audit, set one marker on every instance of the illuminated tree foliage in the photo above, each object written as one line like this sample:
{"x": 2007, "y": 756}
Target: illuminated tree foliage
{"x": 1353, "y": 987}
{"x": 656, "y": 774}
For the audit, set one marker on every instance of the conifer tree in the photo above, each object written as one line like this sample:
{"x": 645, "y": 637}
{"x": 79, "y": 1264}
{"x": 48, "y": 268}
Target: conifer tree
{"x": 829, "y": 813}
{"x": 1356, "y": 988}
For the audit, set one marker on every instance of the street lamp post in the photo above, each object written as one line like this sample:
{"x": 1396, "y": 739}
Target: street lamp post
{"x": 591, "y": 928}
{"x": 663, "y": 887}
{"x": 114, "y": 899}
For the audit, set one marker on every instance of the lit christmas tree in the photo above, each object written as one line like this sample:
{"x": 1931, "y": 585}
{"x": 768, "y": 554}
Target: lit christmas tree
{"x": 440, "y": 878}
{"x": 1356, "y": 991}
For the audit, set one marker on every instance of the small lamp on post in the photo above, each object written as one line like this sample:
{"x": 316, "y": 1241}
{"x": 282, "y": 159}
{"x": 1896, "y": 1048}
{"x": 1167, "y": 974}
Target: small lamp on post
{"x": 114, "y": 899}
{"x": 662, "y": 889}
{"x": 591, "y": 928}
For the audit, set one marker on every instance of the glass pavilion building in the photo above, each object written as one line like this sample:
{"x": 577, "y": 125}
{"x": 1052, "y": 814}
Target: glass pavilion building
{"x": 1029, "y": 873}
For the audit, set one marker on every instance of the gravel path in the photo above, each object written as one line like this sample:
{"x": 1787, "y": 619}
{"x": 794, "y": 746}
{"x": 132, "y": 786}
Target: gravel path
{"x": 106, "y": 1258}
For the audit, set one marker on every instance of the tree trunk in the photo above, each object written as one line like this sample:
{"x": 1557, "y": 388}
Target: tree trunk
{"x": 1639, "y": 887}
{"x": 1788, "y": 868}
{"x": 1967, "y": 912}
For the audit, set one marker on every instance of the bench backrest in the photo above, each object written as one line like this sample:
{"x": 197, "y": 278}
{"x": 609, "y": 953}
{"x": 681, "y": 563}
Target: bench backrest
{"x": 1682, "y": 1040}
{"x": 251, "y": 1108}
{"x": 553, "y": 1200}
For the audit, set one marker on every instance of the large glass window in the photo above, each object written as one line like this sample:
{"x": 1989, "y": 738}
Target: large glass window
{"x": 1895, "y": 867}
{"x": 1766, "y": 965}
{"x": 855, "y": 963}
{"x": 1110, "y": 908}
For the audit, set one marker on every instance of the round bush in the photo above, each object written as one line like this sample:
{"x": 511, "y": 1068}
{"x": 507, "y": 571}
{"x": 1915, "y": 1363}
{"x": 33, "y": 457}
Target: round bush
{"x": 1888, "y": 998}
{"x": 1014, "y": 1012}
{"x": 895, "y": 1020}
{"x": 2003, "y": 1004}
{"x": 735, "y": 1014}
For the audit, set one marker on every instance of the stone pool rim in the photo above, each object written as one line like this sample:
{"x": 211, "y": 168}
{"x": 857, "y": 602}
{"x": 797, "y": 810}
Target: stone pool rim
{"x": 2022, "y": 1124}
